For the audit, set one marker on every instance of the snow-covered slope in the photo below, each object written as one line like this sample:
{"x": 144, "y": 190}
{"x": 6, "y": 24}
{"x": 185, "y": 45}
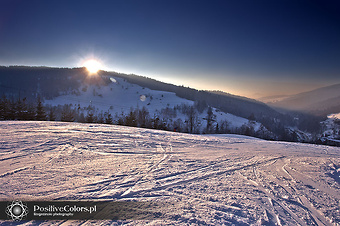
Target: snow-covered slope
{"x": 120, "y": 96}
{"x": 331, "y": 127}
{"x": 334, "y": 116}
{"x": 213, "y": 180}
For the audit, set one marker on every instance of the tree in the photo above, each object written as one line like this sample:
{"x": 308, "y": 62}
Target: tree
{"x": 120, "y": 118}
{"x": 210, "y": 118}
{"x": 224, "y": 127}
{"x": 81, "y": 117}
{"x": 20, "y": 109}
{"x": 108, "y": 118}
{"x": 67, "y": 114}
{"x": 90, "y": 118}
{"x": 247, "y": 129}
{"x": 217, "y": 129}
{"x": 30, "y": 113}
{"x": 4, "y": 108}
{"x": 192, "y": 119}
{"x": 100, "y": 118}
{"x": 143, "y": 117}
{"x": 11, "y": 110}
{"x": 131, "y": 118}
{"x": 178, "y": 125}
{"x": 41, "y": 115}
{"x": 155, "y": 122}
{"x": 51, "y": 115}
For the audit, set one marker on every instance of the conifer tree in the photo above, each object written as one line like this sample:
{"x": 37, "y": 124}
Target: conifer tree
{"x": 210, "y": 118}
{"x": 41, "y": 115}
{"x": 4, "y": 108}
{"x": 51, "y": 115}
{"x": 11, "y": 110}
{"x": 143, "y": 117}
{"x": 100, "y": 118}
{"x": 131, "y": 118}
{"x": 90, "y": 118}
{"x": 108, "y": 118}
{"x": 20, "y": 109}
{"x": 30, "y": 113}
{"x": 67, "y": 114}
{"x": 81, "y": 118}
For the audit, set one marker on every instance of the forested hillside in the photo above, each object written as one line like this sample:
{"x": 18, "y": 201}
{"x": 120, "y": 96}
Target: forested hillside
{"x": 22, "y": 83}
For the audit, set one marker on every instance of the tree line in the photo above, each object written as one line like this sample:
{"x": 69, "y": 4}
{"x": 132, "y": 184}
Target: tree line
{"x": 191, "y": 120}
{"x": 22, "y": 109}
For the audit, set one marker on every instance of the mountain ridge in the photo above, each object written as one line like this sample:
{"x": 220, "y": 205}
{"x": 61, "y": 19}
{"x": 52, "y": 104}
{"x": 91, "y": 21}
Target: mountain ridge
{"x": 50, "y": 82}
{"x": 320, "y": 101}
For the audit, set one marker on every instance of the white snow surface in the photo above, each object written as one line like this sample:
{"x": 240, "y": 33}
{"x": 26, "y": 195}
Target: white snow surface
{"x": 334, "y": 116}
{"x": 331, "y": 127}
{"x": 120, "y": 96}
{"x": 212, "y": 179}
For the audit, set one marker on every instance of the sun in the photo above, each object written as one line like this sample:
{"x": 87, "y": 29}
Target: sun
{"x": 93, "y": 66}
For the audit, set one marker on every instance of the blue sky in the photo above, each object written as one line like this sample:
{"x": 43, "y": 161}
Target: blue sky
{"x": 251, "y": 48}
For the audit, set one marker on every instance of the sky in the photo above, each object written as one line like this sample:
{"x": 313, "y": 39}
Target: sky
{"x": 249, "y": 48}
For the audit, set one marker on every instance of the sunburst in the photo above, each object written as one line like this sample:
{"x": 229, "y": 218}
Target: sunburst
{"x": 93, "y": 66}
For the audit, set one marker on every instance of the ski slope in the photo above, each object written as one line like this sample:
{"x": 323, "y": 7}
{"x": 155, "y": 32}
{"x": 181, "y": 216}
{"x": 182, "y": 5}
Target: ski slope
{"x": 212, "y": 179}
{"x": 120, "y": 96}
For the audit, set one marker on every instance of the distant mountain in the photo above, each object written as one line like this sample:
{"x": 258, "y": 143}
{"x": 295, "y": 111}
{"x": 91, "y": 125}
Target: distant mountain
{"x": 322, "y": 101}
{"x": 271, "y": 99}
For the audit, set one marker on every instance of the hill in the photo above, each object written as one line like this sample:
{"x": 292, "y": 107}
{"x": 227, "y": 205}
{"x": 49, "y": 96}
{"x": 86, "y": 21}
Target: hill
{"x": 52, "y": 82}
{"x": 236, "y": 105}
{"x": 111, "y": 97}
{"x": 322, "y": 101}
{"x": 56, "y": 85}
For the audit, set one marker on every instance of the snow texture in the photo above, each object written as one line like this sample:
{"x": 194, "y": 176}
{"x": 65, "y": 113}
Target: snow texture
{"x": 212, "y": 179}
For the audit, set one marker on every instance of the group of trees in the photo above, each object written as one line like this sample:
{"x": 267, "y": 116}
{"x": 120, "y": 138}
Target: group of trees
{"x": 236, "y": 105}
{"x": 21, "y": 109}
{"x": 272, "y": 119}
{"x": 164, "y": 119}
{"x": 198, "y": 118}
{"x": 25, "y": 81}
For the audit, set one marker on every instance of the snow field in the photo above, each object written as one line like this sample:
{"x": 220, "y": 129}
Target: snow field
{"x": 213, "y": 180}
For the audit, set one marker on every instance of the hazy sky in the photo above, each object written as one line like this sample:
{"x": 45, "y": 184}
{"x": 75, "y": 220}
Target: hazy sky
{"x": 254, "y": 47}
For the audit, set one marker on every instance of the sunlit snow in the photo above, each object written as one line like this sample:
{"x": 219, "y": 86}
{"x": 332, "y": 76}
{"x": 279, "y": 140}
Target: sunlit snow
{"x": 334, "y": 116}
{"x": 120, "y": 96}
{"x": 213, "y": 179}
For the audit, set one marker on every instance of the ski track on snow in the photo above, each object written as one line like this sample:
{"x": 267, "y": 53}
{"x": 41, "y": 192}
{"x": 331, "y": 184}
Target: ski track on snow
{"x": 224, "y": 179}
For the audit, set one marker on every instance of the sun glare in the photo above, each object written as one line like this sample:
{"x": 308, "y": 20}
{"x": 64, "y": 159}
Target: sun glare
{"x": 93, "y": 66}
